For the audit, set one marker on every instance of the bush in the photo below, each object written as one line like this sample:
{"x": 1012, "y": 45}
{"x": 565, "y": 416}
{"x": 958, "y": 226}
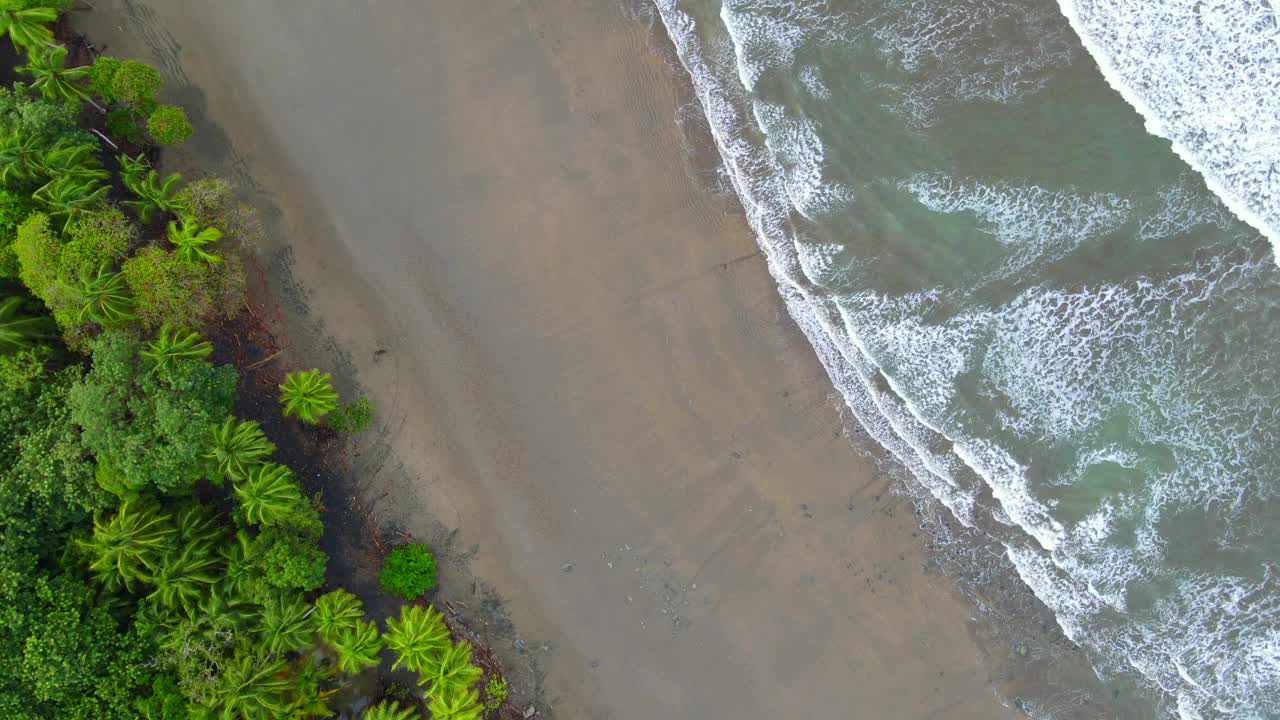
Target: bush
{"x": 102, "y": 74}
{"x": 495, "y": 692}
{"x": 213, "y": 203}
{"x": 135, "y": 82}
{"x": 97, "y": 238}
{"x": 353, "y": 417}
{"x": 408, "y": 571}
{"x": 168, "y": 291}
{"x": 122, "y": 122}
{"x": 168, "y": 125}
{"x": 14, "y": 209}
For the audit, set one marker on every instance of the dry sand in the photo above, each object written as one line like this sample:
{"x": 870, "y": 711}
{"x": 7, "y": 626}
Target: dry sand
{"x": 591, "y": 398}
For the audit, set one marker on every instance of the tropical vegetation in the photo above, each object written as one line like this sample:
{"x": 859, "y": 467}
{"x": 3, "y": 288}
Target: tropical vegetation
{"x": 155, "y": 561}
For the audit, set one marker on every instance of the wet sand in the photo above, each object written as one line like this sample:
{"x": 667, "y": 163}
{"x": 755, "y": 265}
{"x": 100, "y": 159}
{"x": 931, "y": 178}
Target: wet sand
{"x": 590, "y": 397}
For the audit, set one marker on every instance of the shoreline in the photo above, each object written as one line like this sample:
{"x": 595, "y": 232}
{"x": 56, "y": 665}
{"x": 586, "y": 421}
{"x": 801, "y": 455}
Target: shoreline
{"x": 423, "y": 463}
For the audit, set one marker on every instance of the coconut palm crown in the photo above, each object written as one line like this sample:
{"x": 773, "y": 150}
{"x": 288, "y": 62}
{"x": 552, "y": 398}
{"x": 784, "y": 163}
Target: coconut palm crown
{"x": 308, "y": 395}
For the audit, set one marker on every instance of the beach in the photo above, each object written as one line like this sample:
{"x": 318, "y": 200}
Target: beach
{"x": 591, "y": 400}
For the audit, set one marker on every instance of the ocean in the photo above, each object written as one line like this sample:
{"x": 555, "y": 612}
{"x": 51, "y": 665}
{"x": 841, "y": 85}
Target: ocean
{"x": 1029, "y": 241}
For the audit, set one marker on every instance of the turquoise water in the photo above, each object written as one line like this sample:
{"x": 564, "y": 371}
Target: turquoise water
{"x": 1031, "y": 301}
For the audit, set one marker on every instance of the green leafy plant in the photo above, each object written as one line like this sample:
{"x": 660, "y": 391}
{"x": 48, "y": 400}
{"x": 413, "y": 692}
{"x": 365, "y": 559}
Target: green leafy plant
{"x": 189, "y": 240}
{"x": 495, "y": 692}
{"x": 357, "y": 646}
{"x": 389, "y": 710}
{"x": 267, "y": 494}
{"x": 284, "y": 625}
{"x": 27, "y": 27}
{"x": 104, "y": 299}
{"x": 455, "y": 704}
{"x": 20, "y": 155}
{"x": 102, "y": 75}
{"x": 135, "y": 82}
{"x": 251, "y": 687}
{"x": 168, "y": 125}
{"x": 172, "y": 346}
{"x": 68, "y": 157}
{"x": 14, "y": 209}
{"x": 67, "y": 194}
{"x": 122, "y": 123}
{"x": 308, "y": 395}
{"x": 451, "y": 670}
{"x": 418, "y": 637}
{"x": 52, "y": 77}
{"x": 336, "y": 611}
{"x": 154, "y": 194}
{"x": 355, "y": 417}
{"x": 408, "y": 571}
{"x": 185, "y": 572}
{"x": 126, "y": 547}
{"x": 18, "y": 331}
{"x": 170, "y": 291}
{"x": 236, "y": 447}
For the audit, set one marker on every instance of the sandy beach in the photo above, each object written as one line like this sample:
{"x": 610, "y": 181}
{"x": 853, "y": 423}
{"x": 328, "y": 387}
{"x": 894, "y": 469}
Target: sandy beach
{"x": 591, "y": 400}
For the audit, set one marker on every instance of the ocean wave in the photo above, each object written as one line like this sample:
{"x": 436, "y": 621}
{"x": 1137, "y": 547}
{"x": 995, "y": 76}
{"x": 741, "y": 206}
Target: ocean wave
{"x": 1203, "y": 75}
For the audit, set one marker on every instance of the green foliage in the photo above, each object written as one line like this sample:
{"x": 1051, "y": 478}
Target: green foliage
{"x": 71, "y": 157}
{"x": 353, "y": 417}
{"x": 189, "y": 240}
{"x": 389, "y": 710}
{"x": 169, "y": 291}
{"x": 104, "y": 298}
{"x": 251, "y": 686}
{"x": 357, "y": 646}
{"x": 127, "y": 545}
{"x": 134, "y": 82}
{"x": 268, "y": 494}
{"x": 185, "y": 573}
{"x": 495, "y": 692}
{"x": 455, "y": 704}
{"x": 308, "y": 395}
{"x": 408, "y": 571}
{"x": 451, "y": 671}
{"x": 45, "y": 123}
{"x": 102, "y": 75}
{"x": 67, "y": 194}
{"x": 122, "y": 123}
{"x": 418, "y": 637}
{"x": 168, "y": 125}
{"x": 171, "y": 347}
{"x": 27, "y": 27}
{"x": 97, "y": 238}
{"x": 152, "y": 429}
{"x": 289, "y": 554}
{"x": 213, "y": 203}
{"x": 284, "y": 625}
{"x": 14, "y": 209}
{"x": 336, "y": 611}
{"x": 20, "y": 156}
{"x": 19, "y": 331}
{"x": 236, "y": 446}
{"x": 154, "y": 194}
{"x": 54, "y": 80}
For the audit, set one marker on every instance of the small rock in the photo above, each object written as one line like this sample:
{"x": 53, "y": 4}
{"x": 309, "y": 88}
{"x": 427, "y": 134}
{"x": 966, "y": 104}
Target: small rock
{"x": 567, "y": 567}
{"x": 530, "y": 712}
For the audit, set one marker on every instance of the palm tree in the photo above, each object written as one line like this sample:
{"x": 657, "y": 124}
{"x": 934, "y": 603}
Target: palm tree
{"x": 27, "y": 27}
{"x": 227, "y": 608}
{"x": 197, "y": 526}
{"x": 185, "y": 574}
{"x": 21, "y": 154}
{"x": 389, "y": 710}
{"x": 127, "y": 547}
{"x": 133, "y": 171}
{"x": 78, "y": 160}
{"x": 418, "y": 637}
{"x": 21, "y": 331}
{"x": 336, "y": 611}
{"x": 189, "y": 240}
{"x": 104, "y": 299}
{"x": 48, "y": 65}
{"x": 308, "y": 394}
{"x": 309, "y": 701}
{"x": 67, "y": 193}
{"x": 357, "y": 646}
{"x": 461, "y": 704}
{"x": 153, "y": 194}
{"x": 252, "y": 687}
{"x": 284, "y": 625}
{"x": 237, "y": 445}
{"x": 268, "y": 493}
{"x": 172, "y": 346}
{"x": 452, "y": 670}
{"x": 241, "y": 557}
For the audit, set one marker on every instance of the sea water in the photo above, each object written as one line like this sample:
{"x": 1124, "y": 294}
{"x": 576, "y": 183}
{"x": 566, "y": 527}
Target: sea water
{"x": 1028, "y": 240}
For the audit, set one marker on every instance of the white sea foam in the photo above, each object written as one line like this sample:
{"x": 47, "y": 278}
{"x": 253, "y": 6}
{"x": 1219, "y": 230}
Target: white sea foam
{"x": 1203, "y": 74}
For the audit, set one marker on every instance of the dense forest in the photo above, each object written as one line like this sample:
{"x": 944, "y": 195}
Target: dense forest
{"x": 155, "y": 562}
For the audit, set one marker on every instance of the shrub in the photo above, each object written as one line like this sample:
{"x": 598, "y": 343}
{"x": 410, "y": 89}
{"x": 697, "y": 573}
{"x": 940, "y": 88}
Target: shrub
{"x": 14, "y": 209}
{"x": 98, "y": 238}
{"x": 102, "y": 75}
{"x": 122, "y": 122}
{"x": 168, "y": 291}
{"x": 39, "y": 255}
{"x": 353, "y": 417}
{"x": 168, "y": 125}
{"x": 213, "y": 203}
{"x": 495, "y": 692}
{"x": 135, "y": 82}
{"x": 408, "y": 571}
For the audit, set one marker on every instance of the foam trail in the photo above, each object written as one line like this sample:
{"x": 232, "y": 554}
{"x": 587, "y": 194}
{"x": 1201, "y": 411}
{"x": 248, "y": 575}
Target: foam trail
{"x": 1203, "y": 76}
